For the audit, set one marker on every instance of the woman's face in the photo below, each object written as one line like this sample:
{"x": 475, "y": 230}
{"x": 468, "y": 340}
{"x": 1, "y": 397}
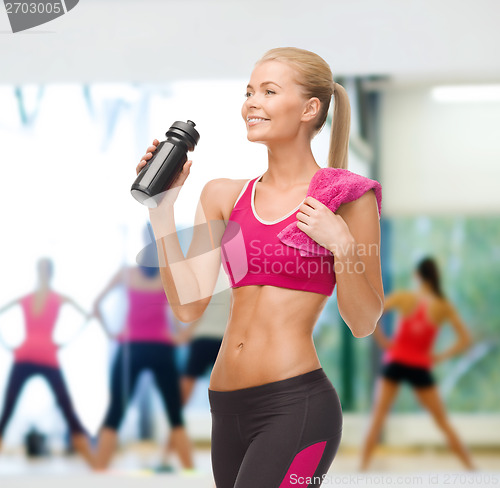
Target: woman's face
{"x": 274, "y": 99}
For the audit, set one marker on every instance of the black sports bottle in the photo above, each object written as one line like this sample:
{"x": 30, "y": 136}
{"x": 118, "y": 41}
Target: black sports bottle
{"x": 166, "y": 164}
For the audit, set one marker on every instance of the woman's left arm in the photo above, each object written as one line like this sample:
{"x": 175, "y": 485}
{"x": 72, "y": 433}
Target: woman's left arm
{"x": 75, "y": 305}
{"x": 352, "y": 234}
{"x": 87, "y": 315}
{"x": 464, "y": 340}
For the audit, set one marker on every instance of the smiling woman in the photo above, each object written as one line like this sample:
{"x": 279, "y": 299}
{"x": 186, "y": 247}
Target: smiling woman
{"x": 276, "y": 417}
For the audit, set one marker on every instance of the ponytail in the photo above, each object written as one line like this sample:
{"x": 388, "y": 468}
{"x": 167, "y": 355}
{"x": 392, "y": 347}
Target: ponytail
{"x": 341, "y": 124}
{"x": 428, "y": 270}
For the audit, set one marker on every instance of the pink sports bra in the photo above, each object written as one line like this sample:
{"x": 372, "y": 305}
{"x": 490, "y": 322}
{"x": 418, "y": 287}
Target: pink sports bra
{"x": 252, "y": 254}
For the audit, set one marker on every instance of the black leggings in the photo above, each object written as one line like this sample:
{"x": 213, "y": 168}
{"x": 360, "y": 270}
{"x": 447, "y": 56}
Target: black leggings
{"x": 131, "y": 360}
{"x": 19, "y": 374}
{"x": 279, "y": 434}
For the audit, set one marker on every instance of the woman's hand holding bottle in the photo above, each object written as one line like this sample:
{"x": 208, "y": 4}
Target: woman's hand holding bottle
{"x": 171, "y": 194}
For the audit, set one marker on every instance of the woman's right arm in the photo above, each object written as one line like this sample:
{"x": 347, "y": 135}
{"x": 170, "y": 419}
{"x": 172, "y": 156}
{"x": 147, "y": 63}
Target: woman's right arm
{"x": 3, "y": 309}
{"x": 188, "y": 281}
{"x": 117, "y": 279}
{"x": 10, "y": 304}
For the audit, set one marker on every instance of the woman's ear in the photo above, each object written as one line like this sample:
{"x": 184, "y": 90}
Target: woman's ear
{"x": 311, "y": 109}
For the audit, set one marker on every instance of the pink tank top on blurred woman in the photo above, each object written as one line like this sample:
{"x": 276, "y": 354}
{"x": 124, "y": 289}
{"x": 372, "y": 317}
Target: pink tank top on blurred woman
{"x": 38, "y": 346}
{"x": 414, "y": 339}
{"x": 147, "y": 319}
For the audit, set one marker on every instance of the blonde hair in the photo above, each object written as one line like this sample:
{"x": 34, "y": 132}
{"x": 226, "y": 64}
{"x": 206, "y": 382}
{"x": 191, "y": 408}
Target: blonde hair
{"x": 315, "y": 78}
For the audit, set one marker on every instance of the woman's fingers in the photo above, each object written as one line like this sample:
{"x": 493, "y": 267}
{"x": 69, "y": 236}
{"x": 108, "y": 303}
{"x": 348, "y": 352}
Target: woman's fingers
{"x": 147, "y": 156}
{"x": 150, "y": 151}
{"x": 140, "y": 166}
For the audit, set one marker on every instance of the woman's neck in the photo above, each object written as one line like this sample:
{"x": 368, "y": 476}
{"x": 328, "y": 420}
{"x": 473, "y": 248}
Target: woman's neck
{"x": 43, "y": 288}
{"x": 290, "y": 164}
{"x": 426, "y": 291}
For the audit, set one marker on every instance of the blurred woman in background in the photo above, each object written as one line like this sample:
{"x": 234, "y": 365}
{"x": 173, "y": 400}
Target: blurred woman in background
{"x": 37, "y": 355}
{"x": 146, "y": 342}
{"x": 408, "y": 355}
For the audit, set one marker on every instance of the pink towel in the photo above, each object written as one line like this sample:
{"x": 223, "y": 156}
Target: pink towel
{"x": 332, "y": 187}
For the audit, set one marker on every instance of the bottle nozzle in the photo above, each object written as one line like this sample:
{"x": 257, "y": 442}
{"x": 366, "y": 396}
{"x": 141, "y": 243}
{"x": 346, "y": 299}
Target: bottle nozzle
{"x": 191, "y": 122}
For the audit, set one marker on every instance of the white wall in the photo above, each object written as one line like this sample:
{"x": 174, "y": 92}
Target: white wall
{"x": 161, "y": 40}
{"x": 439, "y": 157}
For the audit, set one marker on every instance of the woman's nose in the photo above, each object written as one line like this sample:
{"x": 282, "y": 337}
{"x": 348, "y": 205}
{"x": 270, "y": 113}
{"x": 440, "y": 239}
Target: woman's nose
{"x": 252, "y": 102}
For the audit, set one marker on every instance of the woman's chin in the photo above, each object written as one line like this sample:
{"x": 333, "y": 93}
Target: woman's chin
{"x": 255, "y": 138}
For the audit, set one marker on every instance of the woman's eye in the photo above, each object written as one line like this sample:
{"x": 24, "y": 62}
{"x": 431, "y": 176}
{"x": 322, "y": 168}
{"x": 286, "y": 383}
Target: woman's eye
{"x": 247, "y": 94}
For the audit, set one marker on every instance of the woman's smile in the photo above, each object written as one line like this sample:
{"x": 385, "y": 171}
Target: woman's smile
{"x": 256, "y": 121}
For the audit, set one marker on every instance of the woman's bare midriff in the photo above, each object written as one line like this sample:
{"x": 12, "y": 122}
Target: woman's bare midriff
{"x": 268, "y": 337}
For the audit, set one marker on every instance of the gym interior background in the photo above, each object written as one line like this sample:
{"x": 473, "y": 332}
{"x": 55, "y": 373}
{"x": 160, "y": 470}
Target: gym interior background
{"x": 83, "y": 96}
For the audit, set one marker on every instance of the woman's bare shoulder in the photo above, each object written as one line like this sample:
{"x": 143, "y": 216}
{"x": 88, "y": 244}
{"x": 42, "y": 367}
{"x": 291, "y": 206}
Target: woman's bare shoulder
{"x": 405, "y": 295}
{"x": 399, "y": 298}
{"x": 223, "y": 193}
{"x": 365, "y": 204}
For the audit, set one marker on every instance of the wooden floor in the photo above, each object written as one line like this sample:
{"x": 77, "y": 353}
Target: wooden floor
{"x": 134, "y": 467}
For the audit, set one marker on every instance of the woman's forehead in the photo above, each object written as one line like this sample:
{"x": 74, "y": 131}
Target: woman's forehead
{"x": 274, "y": 71}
